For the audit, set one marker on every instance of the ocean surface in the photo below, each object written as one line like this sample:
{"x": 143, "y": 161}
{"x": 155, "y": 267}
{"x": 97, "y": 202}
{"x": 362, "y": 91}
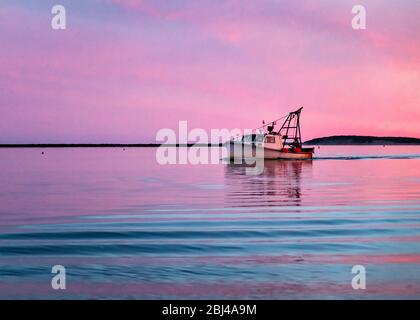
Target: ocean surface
{"x": 124, "y": 226}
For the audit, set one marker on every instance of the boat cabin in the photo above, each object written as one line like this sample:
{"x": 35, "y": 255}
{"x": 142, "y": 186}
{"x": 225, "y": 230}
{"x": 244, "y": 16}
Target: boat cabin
{"x": 271, "y": 140}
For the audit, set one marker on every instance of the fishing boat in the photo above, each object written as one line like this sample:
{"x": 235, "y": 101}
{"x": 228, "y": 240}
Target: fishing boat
{"x": 285, "y": 144}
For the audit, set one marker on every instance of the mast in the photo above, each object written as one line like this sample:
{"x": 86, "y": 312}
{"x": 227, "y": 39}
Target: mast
{"x": 291, "y": 126}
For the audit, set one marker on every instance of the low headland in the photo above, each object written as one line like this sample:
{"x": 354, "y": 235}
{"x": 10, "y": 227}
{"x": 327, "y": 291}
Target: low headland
{"x": 363, "y": 140}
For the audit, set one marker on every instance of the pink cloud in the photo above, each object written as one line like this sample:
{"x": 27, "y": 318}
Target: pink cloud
{"x": 233, "y": 65}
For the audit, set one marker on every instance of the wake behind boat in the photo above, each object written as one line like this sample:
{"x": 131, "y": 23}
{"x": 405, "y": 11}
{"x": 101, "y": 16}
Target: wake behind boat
{"x": 286, "y": 143}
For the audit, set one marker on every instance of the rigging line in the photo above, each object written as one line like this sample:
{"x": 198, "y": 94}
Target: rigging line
{"x": 269, "y": 123}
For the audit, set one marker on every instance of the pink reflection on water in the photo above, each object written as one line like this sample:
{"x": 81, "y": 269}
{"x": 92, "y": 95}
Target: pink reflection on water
{"x": 64, "y": 186}
{"x": 74, "y": 182}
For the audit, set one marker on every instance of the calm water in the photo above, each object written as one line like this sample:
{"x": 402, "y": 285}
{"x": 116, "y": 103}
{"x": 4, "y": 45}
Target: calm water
{"x": 126, "y": 227}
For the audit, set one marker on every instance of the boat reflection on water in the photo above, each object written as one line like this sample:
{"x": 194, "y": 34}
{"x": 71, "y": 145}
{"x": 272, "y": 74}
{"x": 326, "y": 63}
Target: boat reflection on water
{"x": 279, "y": 184}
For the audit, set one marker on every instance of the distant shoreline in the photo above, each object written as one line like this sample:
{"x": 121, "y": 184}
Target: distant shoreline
{"x": 331, "y": 140}
{"x": 363, "y": 140}
{"x": 101, "y": 145}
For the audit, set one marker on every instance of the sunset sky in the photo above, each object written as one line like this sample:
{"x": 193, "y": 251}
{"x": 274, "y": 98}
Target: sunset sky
{"x": 123, "y": 69}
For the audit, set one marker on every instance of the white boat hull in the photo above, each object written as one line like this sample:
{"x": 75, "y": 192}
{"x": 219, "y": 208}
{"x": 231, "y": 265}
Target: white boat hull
{"x": 239, "y": 150}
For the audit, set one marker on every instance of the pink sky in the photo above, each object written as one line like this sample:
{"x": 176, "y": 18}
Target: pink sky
{"x": 124, "y": 69}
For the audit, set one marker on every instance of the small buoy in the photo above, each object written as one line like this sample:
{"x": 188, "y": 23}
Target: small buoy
{"x": 42, "y": 152}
